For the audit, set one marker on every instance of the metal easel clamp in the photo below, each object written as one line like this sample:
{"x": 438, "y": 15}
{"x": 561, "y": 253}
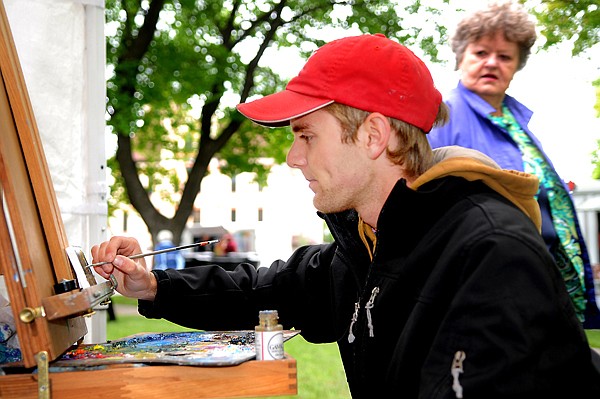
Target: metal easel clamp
{"x": 43, "y": 378}
{"x": 28, "y": 315}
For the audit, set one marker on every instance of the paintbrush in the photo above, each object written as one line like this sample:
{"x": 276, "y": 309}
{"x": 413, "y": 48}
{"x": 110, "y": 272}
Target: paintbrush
{"x": 162, "y": 251}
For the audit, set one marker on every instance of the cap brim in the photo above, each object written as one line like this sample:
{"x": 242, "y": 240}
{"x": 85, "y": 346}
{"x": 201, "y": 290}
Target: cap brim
{"x": 278, "y": 109}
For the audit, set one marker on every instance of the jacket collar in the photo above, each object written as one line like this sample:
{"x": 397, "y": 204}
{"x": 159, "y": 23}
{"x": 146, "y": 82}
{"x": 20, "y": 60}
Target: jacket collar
{"x": 483, "y": 108}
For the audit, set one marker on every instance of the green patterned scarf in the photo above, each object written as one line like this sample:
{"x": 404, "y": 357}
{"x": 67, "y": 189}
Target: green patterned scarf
{"x": 568, "y": 252}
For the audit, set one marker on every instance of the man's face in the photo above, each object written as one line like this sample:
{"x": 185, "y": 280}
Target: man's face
{"x": 332, "y": 168}
{"x": 488, "y": 67}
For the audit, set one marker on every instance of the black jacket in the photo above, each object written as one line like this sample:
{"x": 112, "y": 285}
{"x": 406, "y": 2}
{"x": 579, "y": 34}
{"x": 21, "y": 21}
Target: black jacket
{"x": 458, "y": 271}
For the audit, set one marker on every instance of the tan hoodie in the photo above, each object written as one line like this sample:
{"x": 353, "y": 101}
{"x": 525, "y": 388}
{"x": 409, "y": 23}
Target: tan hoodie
{"x": 518, "y": 187}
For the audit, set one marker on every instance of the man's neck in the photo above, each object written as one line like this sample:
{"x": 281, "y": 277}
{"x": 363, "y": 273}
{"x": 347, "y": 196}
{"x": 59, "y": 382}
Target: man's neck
{"x": 370, "y": 211}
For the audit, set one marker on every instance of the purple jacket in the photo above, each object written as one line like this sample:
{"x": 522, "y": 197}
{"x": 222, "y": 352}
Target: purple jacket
{"x": 470, "y": 127}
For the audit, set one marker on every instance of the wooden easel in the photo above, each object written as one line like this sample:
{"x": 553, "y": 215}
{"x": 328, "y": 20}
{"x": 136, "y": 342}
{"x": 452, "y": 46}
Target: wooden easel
{"x": 34, "y": 261}
{"x": 32, "y": 236}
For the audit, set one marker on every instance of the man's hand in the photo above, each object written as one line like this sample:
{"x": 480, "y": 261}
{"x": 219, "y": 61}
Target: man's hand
{"x": 133, "y": 278}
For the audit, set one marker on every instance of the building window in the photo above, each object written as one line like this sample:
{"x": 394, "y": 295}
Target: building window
{"x": 196, "y": 215}
{"x": 233, "y": 214}
{"x": 260, "y": 214}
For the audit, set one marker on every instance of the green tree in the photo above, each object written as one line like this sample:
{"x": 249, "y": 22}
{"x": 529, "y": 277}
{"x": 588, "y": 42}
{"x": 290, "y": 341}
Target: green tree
{"x": 561, "y": 20}
{"x": 178, "y": 67}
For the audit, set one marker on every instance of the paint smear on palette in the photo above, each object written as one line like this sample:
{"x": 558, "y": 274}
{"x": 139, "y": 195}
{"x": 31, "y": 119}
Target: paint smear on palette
{"x": 196, "y": 348}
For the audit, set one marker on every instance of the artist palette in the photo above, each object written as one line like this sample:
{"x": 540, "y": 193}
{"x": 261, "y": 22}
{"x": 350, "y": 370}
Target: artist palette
{"x": 196, "y": 348}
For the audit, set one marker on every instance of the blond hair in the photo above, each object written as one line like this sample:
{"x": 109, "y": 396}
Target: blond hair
{"x": 413, "y": 152}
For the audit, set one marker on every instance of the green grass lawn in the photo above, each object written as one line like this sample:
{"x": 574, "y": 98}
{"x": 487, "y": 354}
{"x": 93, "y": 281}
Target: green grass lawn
{"x": 320, "y": 372}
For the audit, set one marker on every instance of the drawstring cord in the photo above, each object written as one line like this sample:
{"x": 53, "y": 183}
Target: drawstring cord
{"x": 369, "y": 305}
{"x": 351, "y": 336}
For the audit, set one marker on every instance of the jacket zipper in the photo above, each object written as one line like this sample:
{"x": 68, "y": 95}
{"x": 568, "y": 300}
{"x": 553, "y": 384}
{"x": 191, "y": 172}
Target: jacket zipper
{"x": 368, "y": 306}
{"x": 456, "y": 370}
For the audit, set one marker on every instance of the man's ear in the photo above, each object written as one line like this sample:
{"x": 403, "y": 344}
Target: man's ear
{"x": 377, "y": 131}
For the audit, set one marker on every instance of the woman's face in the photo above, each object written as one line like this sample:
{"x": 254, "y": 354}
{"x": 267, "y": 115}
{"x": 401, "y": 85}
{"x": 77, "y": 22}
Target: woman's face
{"x": 488, "y": 66}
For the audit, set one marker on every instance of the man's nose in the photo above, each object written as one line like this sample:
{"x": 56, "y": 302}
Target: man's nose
{"x": 294, "y": 157}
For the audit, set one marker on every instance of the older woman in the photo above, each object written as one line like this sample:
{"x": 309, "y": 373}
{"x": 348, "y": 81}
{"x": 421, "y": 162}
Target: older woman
{"x": 491, "y": 45}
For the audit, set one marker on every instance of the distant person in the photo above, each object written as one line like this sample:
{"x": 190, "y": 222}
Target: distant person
{"x": 167, "y": 260}
{"x": 225, "y": 245}
{"x": 491, "y": 45}
{"x": 438, "y": 283}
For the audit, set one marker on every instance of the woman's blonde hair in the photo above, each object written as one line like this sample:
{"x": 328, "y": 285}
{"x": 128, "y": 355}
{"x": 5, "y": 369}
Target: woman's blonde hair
{"x": 413, "y": 152}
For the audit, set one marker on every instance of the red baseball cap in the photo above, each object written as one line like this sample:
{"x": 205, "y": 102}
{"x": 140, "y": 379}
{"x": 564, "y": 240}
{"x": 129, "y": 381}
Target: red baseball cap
{"x": 368, "y": 72}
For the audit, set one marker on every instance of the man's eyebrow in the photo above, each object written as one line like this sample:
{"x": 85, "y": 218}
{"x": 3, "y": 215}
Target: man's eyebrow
{"x": 299, "y": 127}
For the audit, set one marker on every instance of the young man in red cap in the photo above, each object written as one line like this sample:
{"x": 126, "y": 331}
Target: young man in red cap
{"x": 438, "y": 283}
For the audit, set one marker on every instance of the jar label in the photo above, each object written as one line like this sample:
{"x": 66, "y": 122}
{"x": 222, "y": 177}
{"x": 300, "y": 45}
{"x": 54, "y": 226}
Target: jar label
{"x": 269, "y": 345}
